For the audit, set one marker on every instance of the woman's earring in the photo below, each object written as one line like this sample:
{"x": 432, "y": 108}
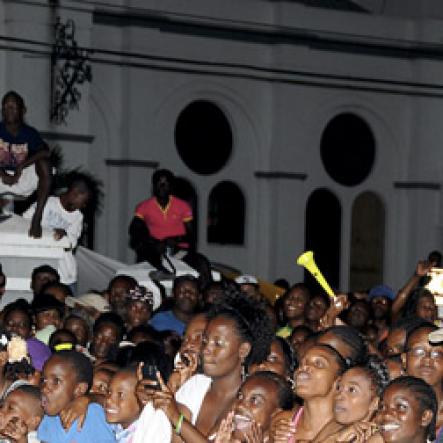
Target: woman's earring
{"x": 244, "y": 373}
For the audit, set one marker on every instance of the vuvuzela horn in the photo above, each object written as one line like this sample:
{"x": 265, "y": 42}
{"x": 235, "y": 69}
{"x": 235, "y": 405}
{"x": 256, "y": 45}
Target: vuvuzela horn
{"x": 307, "y": 261}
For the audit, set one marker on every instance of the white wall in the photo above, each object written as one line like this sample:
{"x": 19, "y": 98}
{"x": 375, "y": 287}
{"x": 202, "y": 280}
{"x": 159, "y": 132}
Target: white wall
{"x": 277, "y": 93}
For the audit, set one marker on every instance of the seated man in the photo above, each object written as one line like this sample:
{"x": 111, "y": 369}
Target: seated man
{"x": 24, "y": 165}
{"x": 163, "y": 224}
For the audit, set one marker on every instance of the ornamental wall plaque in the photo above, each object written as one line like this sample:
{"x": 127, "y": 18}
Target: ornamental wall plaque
{"x": 70, "y": 69}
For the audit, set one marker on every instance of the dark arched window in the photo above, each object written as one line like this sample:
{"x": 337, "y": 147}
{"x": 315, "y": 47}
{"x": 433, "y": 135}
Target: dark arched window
{"x": 323, "y": 235}
{"x": 367, "y": 242}
{"x": 348, "y": 149}
{"x": 226, "y": 214}
{"x": 203, "y": 137}
{"x": 184, "y": 189}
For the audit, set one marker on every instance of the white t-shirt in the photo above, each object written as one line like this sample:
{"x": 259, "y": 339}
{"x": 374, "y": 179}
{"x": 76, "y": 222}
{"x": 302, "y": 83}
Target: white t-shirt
{"x": 55, "y": 216}
{"x": 192, "y": 394}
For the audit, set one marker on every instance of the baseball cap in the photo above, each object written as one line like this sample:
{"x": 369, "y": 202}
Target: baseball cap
{"x": 381, "y": 291}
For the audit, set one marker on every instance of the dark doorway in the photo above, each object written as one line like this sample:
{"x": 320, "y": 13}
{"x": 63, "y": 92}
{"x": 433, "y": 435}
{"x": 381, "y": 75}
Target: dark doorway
{"x": 323, "y": 236}
{"x": 367, "y": 242}
{"x": 184, "y": 189}
{"x": 226, "y": 214}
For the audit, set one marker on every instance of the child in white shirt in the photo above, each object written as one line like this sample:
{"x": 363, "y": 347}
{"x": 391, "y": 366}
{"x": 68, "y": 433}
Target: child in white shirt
{"x": 63, "y": 215}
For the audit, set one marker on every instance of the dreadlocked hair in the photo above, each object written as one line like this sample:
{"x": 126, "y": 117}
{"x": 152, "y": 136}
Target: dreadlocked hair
{"x": 252, "y": 323}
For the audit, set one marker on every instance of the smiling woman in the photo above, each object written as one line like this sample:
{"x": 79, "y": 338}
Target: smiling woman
{"x": 409, "y": 409}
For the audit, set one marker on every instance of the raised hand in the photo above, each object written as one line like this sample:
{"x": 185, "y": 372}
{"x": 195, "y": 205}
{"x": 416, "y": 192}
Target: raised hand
{"x": 183, "y": 371}
{"x": 164, "y": 400}
{"x": 225, "y": 430}
{"x": 338, "y": 305}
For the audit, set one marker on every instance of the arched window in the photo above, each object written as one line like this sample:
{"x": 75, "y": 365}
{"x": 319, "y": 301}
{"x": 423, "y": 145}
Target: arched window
{"x": 348, "y": 149}
{"x": 184, "y": 189}
{"x": 323, "y": 235}
{"x": 367, "y": 241}
{"x": 226, "y": 214}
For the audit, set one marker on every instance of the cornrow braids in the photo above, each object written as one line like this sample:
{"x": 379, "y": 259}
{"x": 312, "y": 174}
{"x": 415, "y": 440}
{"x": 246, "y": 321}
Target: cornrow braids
{"x": 377, "y": 371}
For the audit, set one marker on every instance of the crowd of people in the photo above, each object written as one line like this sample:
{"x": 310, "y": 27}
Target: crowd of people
{"x": 220, "y": 363}
{"x": 214, "y": 361}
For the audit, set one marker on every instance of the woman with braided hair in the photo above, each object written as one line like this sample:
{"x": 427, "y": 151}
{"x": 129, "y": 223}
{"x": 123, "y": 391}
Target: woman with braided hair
{"x": 239, "y": 334}
{"x": 356, "y": 400}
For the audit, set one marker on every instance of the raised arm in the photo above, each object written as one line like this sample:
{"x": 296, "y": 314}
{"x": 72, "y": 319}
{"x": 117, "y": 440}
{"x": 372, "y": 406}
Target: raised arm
{"x": 403, "y": 294}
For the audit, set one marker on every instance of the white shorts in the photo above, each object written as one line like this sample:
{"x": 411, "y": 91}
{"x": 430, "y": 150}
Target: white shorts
{"x": 25, "y": 186}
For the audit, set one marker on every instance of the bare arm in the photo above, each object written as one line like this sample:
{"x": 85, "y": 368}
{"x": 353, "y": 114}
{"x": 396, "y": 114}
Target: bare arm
{"x": 139, "y": 234}
{"x": 44, "y": 184}
{"x": 403, "y": 294}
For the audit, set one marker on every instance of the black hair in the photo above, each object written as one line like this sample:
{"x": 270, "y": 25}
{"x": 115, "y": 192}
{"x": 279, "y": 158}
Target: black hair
{"x": 424, "y": 325}
{"x": 80, "y": 364}
{"x": 113, "y": 319}
{"x": 67, "y": 291}
{"x": 410, "y": 307}
{"x": 31, "y": 390}
{"x": 76, "y": 316}
{"x": 144, "y": 329}
{"x": 45, "y": 302}
{"x": 123, "y": 355}
{"x": 395, "y": 358}
{"x": 353, "y": 340}
{"x": 284, "y": 391}
{"x": 343, "y": 364}
{"x": 162, "y": 173}
{"x": 282, "y": 283}
{"x": 2, "y": 274}
{"x": 408, "y": 324}
{"x": 325, "y": 297}
{"x": 291, "y": 362}
{"x": 175, "y": 340}
{"x": 377, "y": 371}
{"x": 252, "y": 323}
{"x": 16, "y": 96}
{"x": 424, "y": 394}
{"x": 153, "y": 355}
{"x": 212, "y": 286}
{"x": 54, "y": 340}
{"x": 126, "y": 278}
{"x": 185, "y": 278}
{"x": 299, "y": 285}
{"x": 435, "y": 256}
{"x": 85, "y": 183}
{"x": 20, "y": 305}
{"x": 302, "y": 328}
{"x": 45, "y": 269}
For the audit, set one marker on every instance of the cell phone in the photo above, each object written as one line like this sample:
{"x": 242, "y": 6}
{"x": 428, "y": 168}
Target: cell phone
{"x": 149, "y": 372}
{"x": 185, "y": 359}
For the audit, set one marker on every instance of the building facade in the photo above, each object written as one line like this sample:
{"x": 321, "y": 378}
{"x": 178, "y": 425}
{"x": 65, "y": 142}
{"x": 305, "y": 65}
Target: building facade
{"x": 291, "y": 124}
